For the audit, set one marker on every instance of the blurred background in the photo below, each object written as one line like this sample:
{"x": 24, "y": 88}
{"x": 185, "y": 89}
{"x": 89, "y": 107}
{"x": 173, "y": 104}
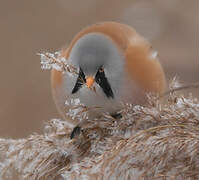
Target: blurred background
{"x": 29, "y": 27}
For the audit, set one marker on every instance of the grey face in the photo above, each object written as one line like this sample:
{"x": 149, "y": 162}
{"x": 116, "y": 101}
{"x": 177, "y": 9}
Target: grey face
{"x": 97, "y": 55}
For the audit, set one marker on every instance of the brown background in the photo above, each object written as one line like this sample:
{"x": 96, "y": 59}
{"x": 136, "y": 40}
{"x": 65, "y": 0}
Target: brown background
{"x": 28, "y": 27}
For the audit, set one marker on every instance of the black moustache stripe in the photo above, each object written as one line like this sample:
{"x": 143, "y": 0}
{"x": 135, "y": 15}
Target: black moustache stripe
{"x": 80, "y": 81}
{"x": 101, "y": 79}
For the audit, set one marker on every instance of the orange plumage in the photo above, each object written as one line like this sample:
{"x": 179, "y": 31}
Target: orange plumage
{"x": 141, "y": 62}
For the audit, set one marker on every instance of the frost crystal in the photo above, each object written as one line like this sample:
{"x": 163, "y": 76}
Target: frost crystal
{"x": 76, "y": 109}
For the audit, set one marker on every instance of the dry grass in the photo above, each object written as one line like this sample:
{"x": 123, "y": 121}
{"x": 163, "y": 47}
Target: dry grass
{"x": 155, "y": 142}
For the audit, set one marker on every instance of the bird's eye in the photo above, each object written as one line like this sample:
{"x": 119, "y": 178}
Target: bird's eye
{"x": 101, "y": 69}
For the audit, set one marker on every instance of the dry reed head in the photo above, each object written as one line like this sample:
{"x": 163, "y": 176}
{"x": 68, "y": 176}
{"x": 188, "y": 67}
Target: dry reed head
{"x": 56, "y": 61}
{"x": 159, "y": 141}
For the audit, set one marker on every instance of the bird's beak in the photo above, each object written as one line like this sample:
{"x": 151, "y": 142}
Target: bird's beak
{"x": 89, "y": 81}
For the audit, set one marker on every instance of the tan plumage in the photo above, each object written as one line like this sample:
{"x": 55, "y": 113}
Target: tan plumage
{"x": 141, "y": 63}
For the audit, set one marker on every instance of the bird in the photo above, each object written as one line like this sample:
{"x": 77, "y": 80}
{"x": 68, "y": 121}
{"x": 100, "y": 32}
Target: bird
{"x": 117, "y": 61}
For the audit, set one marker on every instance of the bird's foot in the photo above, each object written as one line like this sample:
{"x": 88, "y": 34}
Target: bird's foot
{"x": 76, "y": 132}
{"x": 116, "y": 115}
